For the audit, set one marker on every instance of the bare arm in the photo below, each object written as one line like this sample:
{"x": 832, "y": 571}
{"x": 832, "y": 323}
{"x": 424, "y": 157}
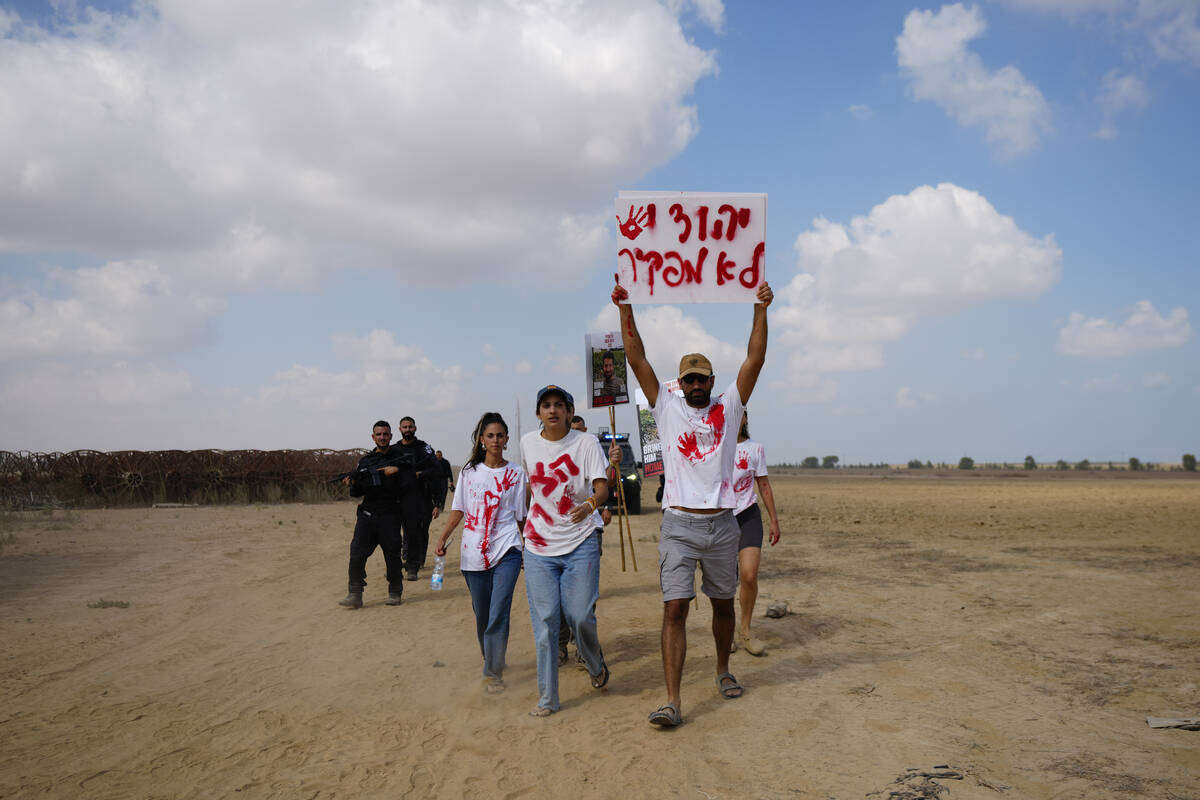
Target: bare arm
{"x": 599, "y": 496}
{"x": 756, "y": 350}
{"x": 451, "y": 523}
{"x": 764, "y": 491}
{"x": 635, "y": 351}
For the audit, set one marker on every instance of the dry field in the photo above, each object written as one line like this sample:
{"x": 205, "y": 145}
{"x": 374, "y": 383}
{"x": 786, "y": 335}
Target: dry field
{"x": 1016, "y": 631}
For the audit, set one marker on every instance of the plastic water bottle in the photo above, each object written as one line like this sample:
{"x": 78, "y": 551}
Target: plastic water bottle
{"x": 439, "y": 573}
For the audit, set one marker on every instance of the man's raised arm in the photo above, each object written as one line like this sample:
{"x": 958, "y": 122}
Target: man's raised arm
{"x": 756, "y": 350}
{"x": 635, "y": 351}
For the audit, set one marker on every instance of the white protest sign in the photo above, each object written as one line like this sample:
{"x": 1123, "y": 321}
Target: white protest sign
{"x": 691, "y": 247}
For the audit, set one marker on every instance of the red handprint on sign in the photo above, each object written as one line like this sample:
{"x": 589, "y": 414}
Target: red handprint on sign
{"x": 638, "y": 221}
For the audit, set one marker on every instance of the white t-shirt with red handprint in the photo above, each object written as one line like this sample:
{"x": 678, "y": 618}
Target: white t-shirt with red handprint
{"x": 492, "y": 501}
{"x": 560, "y": 478}
{"x": 698, "y": 447}
{"x": 749, "y": 463}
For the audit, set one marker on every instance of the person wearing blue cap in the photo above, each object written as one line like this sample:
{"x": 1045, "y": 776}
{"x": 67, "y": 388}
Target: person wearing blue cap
{"x": 567, "y": 482}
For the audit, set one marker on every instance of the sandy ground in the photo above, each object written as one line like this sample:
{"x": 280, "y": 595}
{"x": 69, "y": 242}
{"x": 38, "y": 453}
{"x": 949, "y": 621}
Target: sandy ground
{"x": 1018, "y": 631}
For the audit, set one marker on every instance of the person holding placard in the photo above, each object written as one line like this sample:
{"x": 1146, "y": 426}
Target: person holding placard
{"x": 562, "y": 542}
{"x": 699, "y": 442}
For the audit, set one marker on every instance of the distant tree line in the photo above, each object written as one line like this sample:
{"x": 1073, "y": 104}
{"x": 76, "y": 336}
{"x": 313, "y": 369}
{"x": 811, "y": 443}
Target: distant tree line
{"x": 1187, "y": 463}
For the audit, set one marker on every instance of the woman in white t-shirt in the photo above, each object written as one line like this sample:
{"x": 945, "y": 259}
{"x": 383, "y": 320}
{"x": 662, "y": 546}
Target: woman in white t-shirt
{"x": 750, "y": 470}
{"x": 491, "y": 497}
{"x": 567, "y": 482}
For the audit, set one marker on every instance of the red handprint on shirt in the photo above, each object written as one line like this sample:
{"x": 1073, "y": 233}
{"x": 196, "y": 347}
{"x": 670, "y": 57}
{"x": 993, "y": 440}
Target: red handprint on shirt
{"x": 549, "y": 481}
{"x": 699, "y": 445}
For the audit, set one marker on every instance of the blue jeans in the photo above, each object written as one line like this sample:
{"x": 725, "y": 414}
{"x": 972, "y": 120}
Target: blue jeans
{"x": 491, "y": 599}
{"x": 570, "y": 585}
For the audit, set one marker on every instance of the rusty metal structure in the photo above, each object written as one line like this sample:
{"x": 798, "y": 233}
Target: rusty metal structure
{"x": 91, "y": 479}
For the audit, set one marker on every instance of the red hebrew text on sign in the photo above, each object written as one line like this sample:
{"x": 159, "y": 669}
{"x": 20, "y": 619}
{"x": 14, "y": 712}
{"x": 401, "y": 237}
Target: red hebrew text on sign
{"x": 691, "y": 248}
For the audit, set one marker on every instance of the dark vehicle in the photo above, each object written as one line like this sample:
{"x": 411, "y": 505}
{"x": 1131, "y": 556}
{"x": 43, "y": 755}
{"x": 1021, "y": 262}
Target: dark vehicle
{"x": 631, "y": 477}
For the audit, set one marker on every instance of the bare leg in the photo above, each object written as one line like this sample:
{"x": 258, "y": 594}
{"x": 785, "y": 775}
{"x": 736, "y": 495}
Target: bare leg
{"x": 748, "y": 559}
{"x": 722, "y": 628}
{"x": 674, "y": 645}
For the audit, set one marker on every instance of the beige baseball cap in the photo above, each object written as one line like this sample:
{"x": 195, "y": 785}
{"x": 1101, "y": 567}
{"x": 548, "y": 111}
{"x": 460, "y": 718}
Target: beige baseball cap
{"x": 695, "y": 364}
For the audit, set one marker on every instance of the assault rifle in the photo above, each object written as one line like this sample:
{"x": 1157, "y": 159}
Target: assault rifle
{"x": 370, "y": 476}
{"x": 368, "y": 473}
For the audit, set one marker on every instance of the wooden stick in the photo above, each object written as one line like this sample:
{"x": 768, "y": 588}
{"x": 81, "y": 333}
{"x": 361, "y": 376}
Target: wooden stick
{"x": 612, "y": 427}
{"x": 625, "y": 524}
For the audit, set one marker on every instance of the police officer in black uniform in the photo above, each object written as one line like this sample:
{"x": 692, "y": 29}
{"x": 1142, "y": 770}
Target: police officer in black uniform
{"x": 445, "y": 482}
{"x": 378, "y": 481}
{"x": 420, "y": 502}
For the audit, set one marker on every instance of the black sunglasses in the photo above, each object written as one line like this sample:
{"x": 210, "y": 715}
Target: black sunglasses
{"x": 693, "y": 377}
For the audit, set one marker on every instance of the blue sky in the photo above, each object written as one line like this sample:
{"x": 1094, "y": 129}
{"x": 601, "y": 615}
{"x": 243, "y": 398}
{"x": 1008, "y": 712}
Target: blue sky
{"x": 266, "y": 224}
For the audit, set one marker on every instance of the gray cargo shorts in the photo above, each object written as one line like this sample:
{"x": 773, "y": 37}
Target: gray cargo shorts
{"x": 708, "y": 539}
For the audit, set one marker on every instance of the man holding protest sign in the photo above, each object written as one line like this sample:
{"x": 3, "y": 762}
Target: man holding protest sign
{"x": 699, "y": 438}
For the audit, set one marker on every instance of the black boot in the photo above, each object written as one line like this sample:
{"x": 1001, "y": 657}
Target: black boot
{"x": 352, "y": 600}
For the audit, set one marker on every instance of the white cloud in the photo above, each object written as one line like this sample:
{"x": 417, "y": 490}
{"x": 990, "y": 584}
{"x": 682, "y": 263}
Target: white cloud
{"x": 932, "y": 52}
{"x": 117, "y": 384}
{"x": 836, "y": 358}
{"x": 1122, "y": 92}
{"x": 1172, "y": 27}
{"x": 1169, "y": 29}
{"x": 162, "y": 407}
{"x": 123, "y": 308}
{"x": 105, "y": 405}
{"x": 561, "y": 368}
{"x": 439, "y": 140}
{"x": 1153, "y": 380}
{"x": 1111, "y": 384}
{"x": 860, "y": 112}
{"x": 379, "y": 347}
{"x": 1144, "y": 329}
{"x": 801, "y": 387}
{"x": 974, "y": 354}
{"x": 711, "y": 11}
{"x": 934, "y": 251}
{"x": 523, "y": 367}
{"x": 382, "y": 370}
{"x": 906, "y": 397}
{"x": 1118, "y": 94}
{"x": 1071, "y": 7}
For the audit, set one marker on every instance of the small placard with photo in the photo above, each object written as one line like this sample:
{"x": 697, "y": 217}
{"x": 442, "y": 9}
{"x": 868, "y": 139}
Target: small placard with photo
{"x": 607, "y": 371}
